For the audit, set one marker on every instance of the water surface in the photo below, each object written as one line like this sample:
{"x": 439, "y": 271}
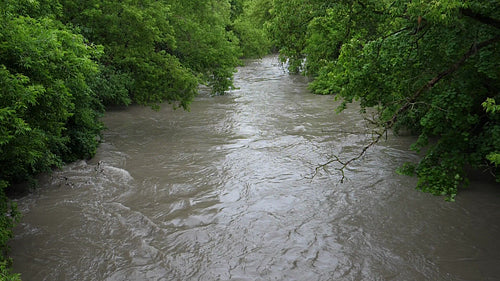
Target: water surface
{"x": 224, "y": 192}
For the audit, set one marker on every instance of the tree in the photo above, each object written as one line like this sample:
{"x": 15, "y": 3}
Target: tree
{"x": 250, "y": 26}
{"x": 424, "y": 65}
{"x": 205, "y": 43}
{"x": 156, "y": 51}
{"x": 138, "y": 62}
{"x": 48, "y": 112}
{"x": 289, "y": 28}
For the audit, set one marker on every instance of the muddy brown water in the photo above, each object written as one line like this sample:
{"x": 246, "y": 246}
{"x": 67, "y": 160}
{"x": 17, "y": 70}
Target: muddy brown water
{"x": 224, "y": 192}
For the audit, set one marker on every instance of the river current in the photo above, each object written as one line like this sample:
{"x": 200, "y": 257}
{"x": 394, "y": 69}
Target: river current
{"x": 226, "y": 192}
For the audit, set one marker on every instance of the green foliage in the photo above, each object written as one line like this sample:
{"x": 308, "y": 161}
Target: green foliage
{"x": 158, "y": 51}
{"x": 204, "y": 43}
{"x": 494, "y": 158}
{"x": 138, "y": 39}
{"x": 491, "y": 106}
{"x": 250, "y": 27}
{"x": 49, "y": 113}
{"x": 8, "y": 218}
{"x": 489, "y": 143}
{"x": 428, "y": 66}
{"x": 5, "y": 272}
{"x": 112, "y": 85}
{"x": 288, "y": 28}
{"x": 31, "y": 8}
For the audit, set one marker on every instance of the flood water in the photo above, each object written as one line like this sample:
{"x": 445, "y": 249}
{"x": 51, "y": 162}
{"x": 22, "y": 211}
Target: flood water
{"x": 225, "y": 192}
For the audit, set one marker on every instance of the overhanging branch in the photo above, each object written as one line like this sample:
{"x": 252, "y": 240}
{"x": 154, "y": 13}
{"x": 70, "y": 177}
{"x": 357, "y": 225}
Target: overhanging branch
{"x": 410, "y": 101}
{"x": 481, "y": 18}
{"x": 472, "y": 51}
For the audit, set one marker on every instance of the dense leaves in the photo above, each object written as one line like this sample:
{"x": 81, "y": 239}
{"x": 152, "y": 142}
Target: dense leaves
{"x": 49, "y": 113}
{"x": 250, "y": 25}
{"x": 9, "y": 217}
{"x": 428, "y": 66}
{"x": 204, "y": 43}
{"x": 138, "y": 39}
{"x": 156, "y": 51}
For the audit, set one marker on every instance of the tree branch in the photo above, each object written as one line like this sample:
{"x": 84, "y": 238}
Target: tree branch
{"x": 409, "y": 102}
{"x": 348, "y": 162}
{"x": 481, "y": 18}
{"x": 472, "y": 51}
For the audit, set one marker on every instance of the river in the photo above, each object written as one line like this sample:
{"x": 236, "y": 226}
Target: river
{"x": 225, "y": 192}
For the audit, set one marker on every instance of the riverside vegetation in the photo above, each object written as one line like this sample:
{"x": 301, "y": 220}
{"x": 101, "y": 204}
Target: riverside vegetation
{"x": 430, "y": 67}
{"x": 62, "y": 62}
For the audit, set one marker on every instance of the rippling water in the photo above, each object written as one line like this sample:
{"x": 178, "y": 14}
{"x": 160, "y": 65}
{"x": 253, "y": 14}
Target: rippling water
{"x": 224, "y": 192}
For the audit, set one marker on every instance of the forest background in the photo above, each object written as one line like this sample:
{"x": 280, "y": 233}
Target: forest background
{"x": 429, "y": 67}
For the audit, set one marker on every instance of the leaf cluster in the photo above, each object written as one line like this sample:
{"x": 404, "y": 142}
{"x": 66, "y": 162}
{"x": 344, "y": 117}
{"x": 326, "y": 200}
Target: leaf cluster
{"x": 250, "y": 26}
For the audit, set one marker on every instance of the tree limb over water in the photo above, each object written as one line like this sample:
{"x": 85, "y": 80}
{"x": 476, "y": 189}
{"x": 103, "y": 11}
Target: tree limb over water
{"x": 389, "y": 124}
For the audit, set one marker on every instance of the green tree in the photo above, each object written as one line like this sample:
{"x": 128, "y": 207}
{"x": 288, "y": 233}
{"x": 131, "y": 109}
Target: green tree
{"x": 157, "y": 51}
{"x": 138, "y": 62}
{"x": 48, "y": 112}
{"x": 204, "y": 41}
{"x": 250, "y": 26}
{"x": 289, "y": 28}
{"x": 9, "y": 217}
{"x": 427, "y": 66}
